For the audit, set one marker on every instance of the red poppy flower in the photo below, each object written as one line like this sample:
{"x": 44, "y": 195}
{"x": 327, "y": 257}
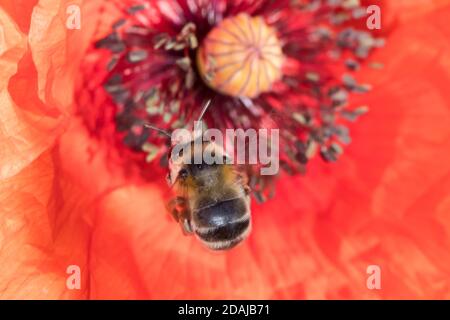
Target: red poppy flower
{"x": 75, "y": 187}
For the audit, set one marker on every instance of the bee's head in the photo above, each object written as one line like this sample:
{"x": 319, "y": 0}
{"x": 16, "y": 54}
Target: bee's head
{"x": 192, "y": 168}
{"x": 200, "y": 176}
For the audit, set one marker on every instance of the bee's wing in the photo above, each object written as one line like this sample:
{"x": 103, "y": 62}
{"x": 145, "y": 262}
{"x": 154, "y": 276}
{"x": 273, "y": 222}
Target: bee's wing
{"x": 241, "y": 180}
{"x": 241, "y": 175}
{"x": 261, "y": 187}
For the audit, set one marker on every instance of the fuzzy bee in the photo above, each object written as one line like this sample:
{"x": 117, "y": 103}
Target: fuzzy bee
{"x": 213, "y": 200}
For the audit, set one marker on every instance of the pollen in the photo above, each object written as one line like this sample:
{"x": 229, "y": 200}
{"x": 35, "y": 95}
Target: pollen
{"x": 241, "y": 57}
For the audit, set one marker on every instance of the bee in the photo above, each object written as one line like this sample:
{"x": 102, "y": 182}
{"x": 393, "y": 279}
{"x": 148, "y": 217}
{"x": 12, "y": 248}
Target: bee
{"x": 213, "y": 200}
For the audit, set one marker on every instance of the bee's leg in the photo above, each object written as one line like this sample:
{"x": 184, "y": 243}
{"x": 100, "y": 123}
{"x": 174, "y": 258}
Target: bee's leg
{"x": 179, "y": 209}
{"x": 186, "y": 226}
{"x": 244, "y": 180}
{"x": 247, "y": 190}
{"x": 176, "y": 206}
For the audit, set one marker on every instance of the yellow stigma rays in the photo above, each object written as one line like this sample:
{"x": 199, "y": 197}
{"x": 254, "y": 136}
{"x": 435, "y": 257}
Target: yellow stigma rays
{"x": 241, "y": 57}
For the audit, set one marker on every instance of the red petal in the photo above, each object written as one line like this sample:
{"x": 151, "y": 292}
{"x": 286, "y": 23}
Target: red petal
{"x": 34, "y": 256}
{"x": 385, "y": 203}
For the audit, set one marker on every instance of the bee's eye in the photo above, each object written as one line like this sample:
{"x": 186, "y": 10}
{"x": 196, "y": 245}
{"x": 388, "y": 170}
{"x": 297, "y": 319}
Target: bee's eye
{"x": 183, "y": 173}
{"x": 200, "y": 167}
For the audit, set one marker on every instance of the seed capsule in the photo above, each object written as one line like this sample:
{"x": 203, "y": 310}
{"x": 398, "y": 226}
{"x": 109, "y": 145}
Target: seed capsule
{"x": 241, "y": 57}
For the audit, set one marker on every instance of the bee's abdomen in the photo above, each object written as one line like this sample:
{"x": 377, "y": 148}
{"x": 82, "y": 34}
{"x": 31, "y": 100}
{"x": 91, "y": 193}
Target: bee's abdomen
{"x": 223, "y": 225}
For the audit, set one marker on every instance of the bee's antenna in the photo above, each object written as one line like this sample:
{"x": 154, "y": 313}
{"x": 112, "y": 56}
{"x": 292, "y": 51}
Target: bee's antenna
{"x": 205, "y": 108}
{"x": 157, "y": 129}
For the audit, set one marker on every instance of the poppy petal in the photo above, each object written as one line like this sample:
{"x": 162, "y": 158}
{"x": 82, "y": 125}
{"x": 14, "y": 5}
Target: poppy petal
{"x": 383, "y": 204}
{"x": 35, "y": 258}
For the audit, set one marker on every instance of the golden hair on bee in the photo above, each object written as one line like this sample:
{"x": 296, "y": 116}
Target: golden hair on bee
{"x": 213, "y": 199}
{"x": 217, "y": 200}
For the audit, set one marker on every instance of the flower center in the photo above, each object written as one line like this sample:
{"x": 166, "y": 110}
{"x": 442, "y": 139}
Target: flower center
{"x": 241, "y": 57}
